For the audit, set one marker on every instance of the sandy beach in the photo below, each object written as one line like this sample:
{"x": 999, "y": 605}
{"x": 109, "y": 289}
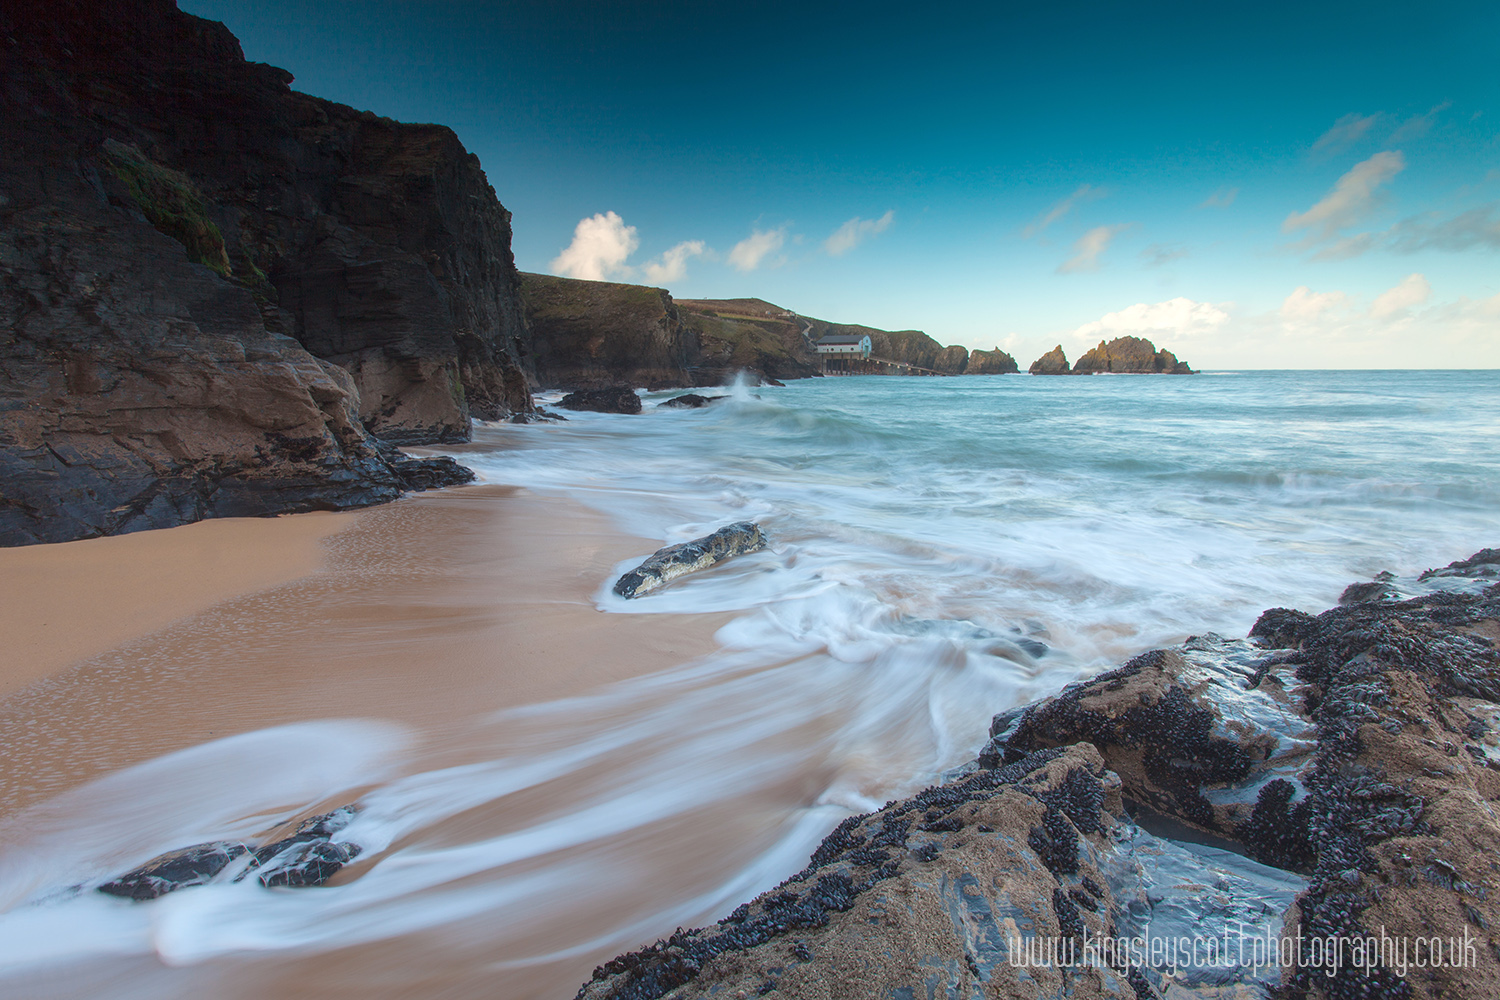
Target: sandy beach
{"x": 409, "y": 611}
{"x": 64, "y": 603}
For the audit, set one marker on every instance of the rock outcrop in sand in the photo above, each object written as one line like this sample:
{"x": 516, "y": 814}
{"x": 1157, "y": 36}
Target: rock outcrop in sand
{"x": 667, "y": 564}
{"x": 215, "y": 289}
{"x": 1344, "y": 766}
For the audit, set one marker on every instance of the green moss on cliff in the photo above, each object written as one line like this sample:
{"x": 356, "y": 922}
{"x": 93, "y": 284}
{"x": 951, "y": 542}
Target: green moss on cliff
{"x": 171, "y": 203}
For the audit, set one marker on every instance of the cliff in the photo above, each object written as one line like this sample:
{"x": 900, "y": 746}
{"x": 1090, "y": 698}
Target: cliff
{"x": 995, "y": 362}
{"x": 188, "y": 244}
{"x": 594, "y": 333}
{"x": 591, "y": 333}
{"x": 1133, "y": 355}
{"x": 750, "y": 334}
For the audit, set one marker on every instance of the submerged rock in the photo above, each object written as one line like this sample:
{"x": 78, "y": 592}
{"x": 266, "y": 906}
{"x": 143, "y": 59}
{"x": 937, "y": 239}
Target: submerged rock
{"x": 610, "y": 399}
{"x": 308, "y": 857}
{"x": 668, "y": 563}
{"x": 692, "y": 401}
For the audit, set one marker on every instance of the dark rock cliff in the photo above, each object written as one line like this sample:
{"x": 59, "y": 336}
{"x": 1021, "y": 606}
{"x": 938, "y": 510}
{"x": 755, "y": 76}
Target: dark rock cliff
{"x": 952, "y": 360}
{"x": 184, "y": 238}
{"x": 589, "y": 334}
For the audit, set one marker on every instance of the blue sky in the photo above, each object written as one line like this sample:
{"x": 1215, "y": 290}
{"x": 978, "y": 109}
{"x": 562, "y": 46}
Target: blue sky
{"x": 1249, "y": 185}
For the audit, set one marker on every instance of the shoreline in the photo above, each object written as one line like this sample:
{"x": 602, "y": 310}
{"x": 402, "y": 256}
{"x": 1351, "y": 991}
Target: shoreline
{"x": 1284, "y": 787}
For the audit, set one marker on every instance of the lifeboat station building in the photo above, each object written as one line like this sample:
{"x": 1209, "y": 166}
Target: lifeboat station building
{"x": 840, "y": 353}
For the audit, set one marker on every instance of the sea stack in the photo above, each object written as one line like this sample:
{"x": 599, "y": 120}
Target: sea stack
{"x": 1134, "y": 355}
{"x": 995, "y": 362}
{"x": 1054, "y": 362}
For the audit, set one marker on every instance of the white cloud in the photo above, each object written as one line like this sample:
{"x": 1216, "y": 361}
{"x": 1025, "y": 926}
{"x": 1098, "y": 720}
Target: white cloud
{"x": 672, "y": 265}
{"x": 750, "y": 252}
{"x": 1350, "y": 200}
{"x": 1417, "y": 126}
{"x": 1088, "y": 247}
{"x": 1180, "y": 317}
{"x": 1345, "y": 132}
{"x": 1475, "y": 228}
{"x": 1222, "y": 198}
{"x": 601, "y": 244}
{"x": 1412, "y": 290}
{"x": 1085, "y": 192}
{"x": 1306, "y": 306}
{"x": 854, "y": 232}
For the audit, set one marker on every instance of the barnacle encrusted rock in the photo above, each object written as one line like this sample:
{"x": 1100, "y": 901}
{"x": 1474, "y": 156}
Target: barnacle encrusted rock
{"x": 668, "y": 563}
{"x": 921, "y": 898}
{"x": 1194, "y": 732}
{"x": 1399, "y": 816}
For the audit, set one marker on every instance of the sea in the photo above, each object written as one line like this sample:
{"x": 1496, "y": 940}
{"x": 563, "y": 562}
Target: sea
{"x": 939, "y": 550}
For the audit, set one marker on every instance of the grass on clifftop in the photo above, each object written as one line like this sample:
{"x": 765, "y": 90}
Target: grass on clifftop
{"x": 171, "y": 203}
{"x": 548, "y": 297}
{"x": 739, "y": 343}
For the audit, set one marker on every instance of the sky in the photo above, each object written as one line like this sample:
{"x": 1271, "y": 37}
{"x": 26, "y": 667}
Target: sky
{"x": 1249, "y": 185}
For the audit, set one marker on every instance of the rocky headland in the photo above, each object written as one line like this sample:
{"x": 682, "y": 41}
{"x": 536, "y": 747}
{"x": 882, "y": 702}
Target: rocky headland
{"x": 1123, "y": 355}
{"x": 592, "y": 334}
{"x": 1326, "y": 787}
{"x": 221, "y": 297}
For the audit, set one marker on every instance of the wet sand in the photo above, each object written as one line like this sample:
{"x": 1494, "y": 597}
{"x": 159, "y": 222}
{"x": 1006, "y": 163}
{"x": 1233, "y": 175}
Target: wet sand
{"x": 424, "y": 612}
{"x": 564, "y": 784}
{"x": 63, "y": 603}
{"x": 430, "y": 615}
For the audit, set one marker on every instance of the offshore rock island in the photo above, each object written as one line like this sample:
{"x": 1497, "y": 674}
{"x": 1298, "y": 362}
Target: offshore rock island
{"x": 1123, "y": 355}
